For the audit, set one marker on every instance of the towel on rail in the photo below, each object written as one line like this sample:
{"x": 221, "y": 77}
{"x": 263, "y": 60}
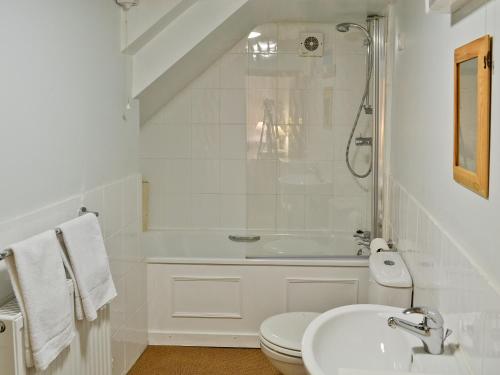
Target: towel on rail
{"x": 39, "y": 282}
{"x": 87, "y": 262}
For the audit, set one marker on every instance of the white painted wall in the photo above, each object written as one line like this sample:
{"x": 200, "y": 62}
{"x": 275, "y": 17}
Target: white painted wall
{"x": 64, "y": 142}
{"x": 422, "y": 126}
{"x": 63, "y": 81}
{"x": 445, "y": 232}
{"x": 62, "y": 103}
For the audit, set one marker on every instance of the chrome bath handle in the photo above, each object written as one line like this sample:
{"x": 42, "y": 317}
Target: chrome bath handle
{"x": 244, "y": 238}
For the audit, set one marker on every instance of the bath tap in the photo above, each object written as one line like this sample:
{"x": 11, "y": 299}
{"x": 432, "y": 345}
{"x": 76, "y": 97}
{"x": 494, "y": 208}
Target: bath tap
{"x": 363, "y": 235}
{"x": 430, "y": 330}
{"x": 364, "y": 243}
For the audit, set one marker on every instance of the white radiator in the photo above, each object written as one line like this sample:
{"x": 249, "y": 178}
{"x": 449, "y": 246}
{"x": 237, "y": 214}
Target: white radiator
{"x": 88, "y": 354}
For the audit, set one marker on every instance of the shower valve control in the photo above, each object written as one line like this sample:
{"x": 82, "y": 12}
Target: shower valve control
{"x": 363, "y": 141}
{"x": 364, "y": 235}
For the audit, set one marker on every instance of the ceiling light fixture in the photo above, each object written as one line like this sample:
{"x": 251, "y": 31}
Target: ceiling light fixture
{"x": 127, "y": 4}
{"x": 253, "y": 35}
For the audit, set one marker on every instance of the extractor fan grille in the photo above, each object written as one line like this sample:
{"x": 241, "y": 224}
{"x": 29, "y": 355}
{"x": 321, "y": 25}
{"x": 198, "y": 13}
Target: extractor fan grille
{"x": 311, "y": 44}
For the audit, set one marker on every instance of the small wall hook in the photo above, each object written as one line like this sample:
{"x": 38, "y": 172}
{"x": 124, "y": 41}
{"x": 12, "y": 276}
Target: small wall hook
{"x": 83, "y": 210}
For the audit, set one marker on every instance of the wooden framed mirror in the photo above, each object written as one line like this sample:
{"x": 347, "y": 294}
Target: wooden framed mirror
{"x": 471, "y": 158}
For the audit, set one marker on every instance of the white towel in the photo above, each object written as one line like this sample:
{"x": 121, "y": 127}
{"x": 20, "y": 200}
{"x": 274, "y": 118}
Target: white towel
{"x": 88, "y": 262}
{"x": 39, "y": 281}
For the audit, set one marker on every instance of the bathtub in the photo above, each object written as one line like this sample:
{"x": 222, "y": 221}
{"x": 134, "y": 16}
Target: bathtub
{"x": 215, "y": 247}
{"x": 206, "y": 290}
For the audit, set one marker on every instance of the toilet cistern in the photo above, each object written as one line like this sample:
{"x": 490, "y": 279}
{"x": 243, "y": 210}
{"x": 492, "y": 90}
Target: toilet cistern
{"x": 430, "y": 330}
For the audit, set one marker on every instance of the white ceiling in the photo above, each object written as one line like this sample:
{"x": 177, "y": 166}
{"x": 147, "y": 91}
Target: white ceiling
{"x": 321, "y": 10}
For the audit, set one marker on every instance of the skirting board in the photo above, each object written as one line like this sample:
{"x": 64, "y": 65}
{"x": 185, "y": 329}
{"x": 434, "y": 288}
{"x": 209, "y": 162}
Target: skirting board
{"x": 221, "y": 340}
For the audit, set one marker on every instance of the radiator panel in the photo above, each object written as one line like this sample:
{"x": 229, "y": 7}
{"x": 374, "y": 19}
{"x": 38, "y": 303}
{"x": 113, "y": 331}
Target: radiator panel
{"x": 88, "y": 354}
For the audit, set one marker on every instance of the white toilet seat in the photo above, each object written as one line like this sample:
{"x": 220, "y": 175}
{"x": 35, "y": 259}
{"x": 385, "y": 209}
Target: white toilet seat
{"x": 278, "y": 349}
{"x": 283, "y": 333}
{"x": 278, "y": 356}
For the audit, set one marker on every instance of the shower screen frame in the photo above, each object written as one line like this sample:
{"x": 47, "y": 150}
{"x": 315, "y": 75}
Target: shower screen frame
{"x": 377, "y": 28}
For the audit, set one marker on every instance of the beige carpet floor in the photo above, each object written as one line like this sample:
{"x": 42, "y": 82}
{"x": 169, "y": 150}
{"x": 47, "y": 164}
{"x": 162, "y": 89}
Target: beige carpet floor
{"x": 177, "y": 360}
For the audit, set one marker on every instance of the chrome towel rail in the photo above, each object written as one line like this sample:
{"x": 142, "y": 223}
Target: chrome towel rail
{"x": 81, "y": 211}
{"x": 5, "y": 254}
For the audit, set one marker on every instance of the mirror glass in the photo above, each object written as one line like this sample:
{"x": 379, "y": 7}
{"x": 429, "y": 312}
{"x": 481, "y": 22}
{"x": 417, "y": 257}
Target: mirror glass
{"x": 467, "y": 141}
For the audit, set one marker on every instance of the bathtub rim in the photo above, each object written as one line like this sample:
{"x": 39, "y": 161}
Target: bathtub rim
{"x": 347, "y": 261}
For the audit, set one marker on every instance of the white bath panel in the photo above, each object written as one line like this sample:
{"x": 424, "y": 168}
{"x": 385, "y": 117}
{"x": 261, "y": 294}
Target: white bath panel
{"x": 206, "y": 297}
{"x": 224, "y": 304}
{"x": 320, "y": 295}
{"x": 209, "y": 339}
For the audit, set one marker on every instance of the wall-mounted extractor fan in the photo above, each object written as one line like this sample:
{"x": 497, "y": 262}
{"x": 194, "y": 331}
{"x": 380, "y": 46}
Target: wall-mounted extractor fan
{"x": 311, "y": 44}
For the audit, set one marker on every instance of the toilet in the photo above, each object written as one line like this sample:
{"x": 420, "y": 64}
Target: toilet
{"x": 280, "y": 336}
{"x": 390, "y": 282}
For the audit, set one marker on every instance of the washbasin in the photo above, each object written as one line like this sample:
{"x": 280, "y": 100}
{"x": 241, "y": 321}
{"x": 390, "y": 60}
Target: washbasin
{"x": 357, "y": 337}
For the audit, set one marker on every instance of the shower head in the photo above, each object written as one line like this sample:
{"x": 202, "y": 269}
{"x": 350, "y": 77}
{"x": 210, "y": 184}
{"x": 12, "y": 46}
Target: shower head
{"x": 343, "y": 27}
{"x": 346, "y": 27}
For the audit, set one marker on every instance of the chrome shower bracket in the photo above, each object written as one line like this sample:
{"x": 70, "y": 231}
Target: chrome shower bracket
{"x": 363, "y": 141}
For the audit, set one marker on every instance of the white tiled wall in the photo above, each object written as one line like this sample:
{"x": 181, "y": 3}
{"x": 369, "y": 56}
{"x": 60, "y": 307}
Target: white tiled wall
{"x": 445, "y": 277}
{"x": 201, "y": 152}
{"x": 121, "y": 205}
{"x": 119, "y": 210}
